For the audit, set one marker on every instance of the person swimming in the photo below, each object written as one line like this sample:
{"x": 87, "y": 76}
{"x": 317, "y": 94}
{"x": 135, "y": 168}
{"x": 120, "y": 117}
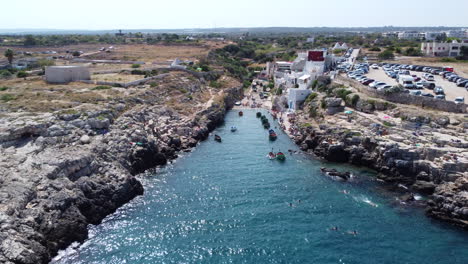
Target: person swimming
{"x": 335, "y": 228}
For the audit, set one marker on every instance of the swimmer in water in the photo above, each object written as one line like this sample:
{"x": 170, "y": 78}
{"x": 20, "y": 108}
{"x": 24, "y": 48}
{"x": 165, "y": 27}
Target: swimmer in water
{"x": 354, "y": 232}
{"x": 335, "y": 228}
{"x": 344, "y": 191}
{"x": 290, "y": 204}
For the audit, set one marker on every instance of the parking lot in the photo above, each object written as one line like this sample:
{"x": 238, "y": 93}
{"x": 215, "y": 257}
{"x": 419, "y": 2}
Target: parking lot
{"x": 450, "y": 88}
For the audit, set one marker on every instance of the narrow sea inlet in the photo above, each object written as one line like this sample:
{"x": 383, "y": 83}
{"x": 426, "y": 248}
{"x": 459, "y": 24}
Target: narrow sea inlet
{"x": 228, "y": 203}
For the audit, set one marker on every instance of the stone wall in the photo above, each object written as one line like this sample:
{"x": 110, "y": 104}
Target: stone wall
{"x": 405, "y": 98}
{"x": 66, "y": 74}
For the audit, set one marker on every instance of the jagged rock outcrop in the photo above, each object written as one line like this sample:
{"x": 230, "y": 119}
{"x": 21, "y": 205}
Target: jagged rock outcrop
{"x": 412, "y": 167}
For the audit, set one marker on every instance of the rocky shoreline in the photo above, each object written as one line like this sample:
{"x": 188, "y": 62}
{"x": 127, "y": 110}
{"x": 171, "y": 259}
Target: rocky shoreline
{"x": 447, "y": 186}
{"x": 63, "y": 173}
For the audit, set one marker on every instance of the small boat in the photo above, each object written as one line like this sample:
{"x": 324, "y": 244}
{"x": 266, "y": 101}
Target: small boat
{"x": 280, "y": 156}
{"x": 272, "y": 135}
{"x": 238, "y": 103}
{"x": 217, "y": 138}
{"x": 264, "y": 121}
{"x": 233, "y": 129}
{"x": 271, "y": 156}
{"x": 259, "y": 114}
{"x": 241, "y": 113}
{"x": 266, "y": 125}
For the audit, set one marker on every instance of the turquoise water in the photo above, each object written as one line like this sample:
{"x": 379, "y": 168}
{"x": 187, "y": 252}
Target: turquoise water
{"x": 227, "y": 203}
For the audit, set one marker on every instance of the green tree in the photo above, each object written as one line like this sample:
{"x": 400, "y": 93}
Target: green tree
{"x": 30, "y": 41}
{"x": 9, "y": 54}
{"x": 386, "y": 55}
{"x": 464, "y": 53}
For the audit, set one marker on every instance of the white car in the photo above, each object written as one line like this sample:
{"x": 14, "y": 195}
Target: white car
{"x": 356, "y": 76}
{"x": 419, "y": 85}
{"x": 459, "y": 100}
{"x": 380, "y": 85}
{"x": 380, "y": 88}
{"x": 428, "y": 77}
{"x": 374, "y": 84}
{"x": 361, "y": 78}
{"x": 375, "y": 66}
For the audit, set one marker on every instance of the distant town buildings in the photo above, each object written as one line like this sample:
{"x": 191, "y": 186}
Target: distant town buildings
{"x": 310, "y": 40}
{"x": 461, "y": 34}
{"x": 443, "y": 49}
{"x": 340, "y": 46}
{"x": 297, "y": 76}
{"x": 409, "y": 35}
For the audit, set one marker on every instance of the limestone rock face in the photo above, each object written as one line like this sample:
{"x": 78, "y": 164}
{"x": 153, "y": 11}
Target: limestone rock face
{"x": 412, "y": 167}
{"x": 61, "y": 173}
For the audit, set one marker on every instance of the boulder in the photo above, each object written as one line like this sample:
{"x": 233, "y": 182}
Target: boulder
{"x": 443, "y": 121}
{"x": 98, "y": 123}
{"x": 85, "y": 139}
{"x": 424, "y": 187}
{"x": 333, "y": 102}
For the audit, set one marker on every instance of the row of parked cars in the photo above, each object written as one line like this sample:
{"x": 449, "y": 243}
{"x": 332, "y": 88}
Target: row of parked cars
{"x": 401, "y": 75}
{"x": 429, "y": 72}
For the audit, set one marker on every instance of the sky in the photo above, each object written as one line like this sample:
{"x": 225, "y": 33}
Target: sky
{"x": 177, "y": 14}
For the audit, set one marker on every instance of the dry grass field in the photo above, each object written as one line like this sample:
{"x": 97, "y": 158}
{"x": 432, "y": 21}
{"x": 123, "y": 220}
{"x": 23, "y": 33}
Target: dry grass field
{"x": 152, "y": 53}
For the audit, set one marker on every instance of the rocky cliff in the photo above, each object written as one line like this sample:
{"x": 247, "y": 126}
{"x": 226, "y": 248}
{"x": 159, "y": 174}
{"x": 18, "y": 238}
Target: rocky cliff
{"x": 412, "y": 167}
{"x": 63, "y": 172}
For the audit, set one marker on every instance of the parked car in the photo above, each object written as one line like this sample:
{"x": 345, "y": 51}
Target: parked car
{"x": 428, "y": 85}
{"x": 440, "y": 96}
{"x": 427, "y": 94}
{"x": 462, "y": 82}
{"x": 415, "y": 92}
{"x": 419, "y": 85}
{"x": 380, "y": 88}
{"x": 375, "y": 66}
{"x": 439, "y": 90}
{"x": 429, "y": 77}
{"x": 368, "y": 81}
{"x": 459, "y": 100}
{"x": 375, "y": 83}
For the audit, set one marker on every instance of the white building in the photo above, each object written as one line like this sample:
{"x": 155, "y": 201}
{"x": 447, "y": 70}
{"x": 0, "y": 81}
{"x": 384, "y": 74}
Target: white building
{"x": 310, "y": 40}
{"x": 340, "y": 46}
{"x": 283, "y": 65}
{"x": 462, "y": 34}
{"x": 409, "y": 35}
{"x": 66, "y": 74}
{"x": 429, "y": 36}
{"x": 450, "y": 49}
{"x": 296, "y": 96}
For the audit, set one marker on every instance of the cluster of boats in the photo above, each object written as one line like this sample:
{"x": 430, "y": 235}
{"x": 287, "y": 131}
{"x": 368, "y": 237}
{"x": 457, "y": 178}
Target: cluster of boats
{"x": 278, "y": 156}
{"x": 264, "y": 119}
{"x": 272, "y": 136}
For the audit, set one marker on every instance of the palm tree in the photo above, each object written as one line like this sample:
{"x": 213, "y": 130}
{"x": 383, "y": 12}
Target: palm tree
{"x": 9, "y": 55}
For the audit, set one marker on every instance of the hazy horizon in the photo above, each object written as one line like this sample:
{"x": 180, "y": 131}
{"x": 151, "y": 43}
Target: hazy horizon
{"x": 208, "y": 14}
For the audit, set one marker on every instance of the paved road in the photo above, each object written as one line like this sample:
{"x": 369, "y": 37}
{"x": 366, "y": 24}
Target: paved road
{"x": 450, "y": 88}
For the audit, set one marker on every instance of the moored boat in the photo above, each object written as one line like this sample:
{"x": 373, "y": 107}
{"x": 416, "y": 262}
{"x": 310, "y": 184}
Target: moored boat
{"x": 241, "y": 113}
{"x": 272, "y": 135}
{"x": 280, "y": 156}
{"x": 271, "y": 155}
{"x": 259, "y": 114}
{"x": 266, "y": 125}
{"x": 217, "y": 138}
{"x": 233, "y": 129}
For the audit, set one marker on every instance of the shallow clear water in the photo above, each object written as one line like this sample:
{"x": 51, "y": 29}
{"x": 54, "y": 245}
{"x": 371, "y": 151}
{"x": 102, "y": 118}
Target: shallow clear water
{"x": 227, "y": 203}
